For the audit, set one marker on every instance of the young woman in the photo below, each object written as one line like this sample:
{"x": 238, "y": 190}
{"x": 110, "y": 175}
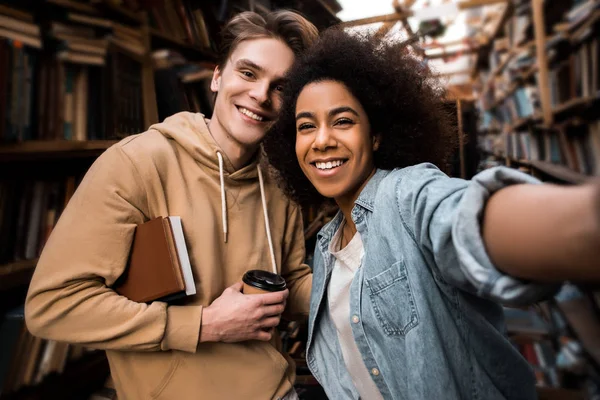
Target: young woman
{"x": 409, "y": 275}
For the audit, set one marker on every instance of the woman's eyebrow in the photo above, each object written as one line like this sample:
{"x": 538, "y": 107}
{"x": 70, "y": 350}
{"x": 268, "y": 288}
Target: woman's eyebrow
{"x": 331, "y": 113}
{"x": 304, "y": 114}
{"x": 339, "y": 110}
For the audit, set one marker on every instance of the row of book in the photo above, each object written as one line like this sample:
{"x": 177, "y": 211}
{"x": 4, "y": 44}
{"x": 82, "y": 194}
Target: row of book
{"x": 182, "y": 19}
{"x": 518, "y": 36}
{"x": 540, "y": 356}
{"x": 566, "y": 354}
{"x": 85, "y": 82}
{"x": 578, "y": 13}
{"x": 517, "y": 67}
{"x": 27, "y": 360}
{"x": 72, "y": 87}
{"x": 510, "y": 86}
{"x": 519, "y": 28}
{"x": 524, "y": 102}
{"x": 577, "y": 147}
{"x": 575, "y": 75}
{"x": 181, "y": 85}
{"x": 558, "y": 337}
{"x": 74, "y": 35}
{"x": 29, "y": 210}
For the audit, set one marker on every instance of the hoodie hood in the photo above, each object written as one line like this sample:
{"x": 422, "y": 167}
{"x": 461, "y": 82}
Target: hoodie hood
{"x": 190, "y": 131}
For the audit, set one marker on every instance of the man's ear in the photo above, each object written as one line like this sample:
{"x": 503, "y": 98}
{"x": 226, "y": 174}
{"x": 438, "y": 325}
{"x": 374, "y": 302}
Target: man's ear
{"x": 376, "y": 141}
{"x": 216, "y": 80}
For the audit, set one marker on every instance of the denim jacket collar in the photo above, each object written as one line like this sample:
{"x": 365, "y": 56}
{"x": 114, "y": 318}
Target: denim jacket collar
{"x": 364, "y": 202}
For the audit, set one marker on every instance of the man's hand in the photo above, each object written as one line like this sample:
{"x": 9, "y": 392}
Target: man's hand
{"x": 235, "y": 317}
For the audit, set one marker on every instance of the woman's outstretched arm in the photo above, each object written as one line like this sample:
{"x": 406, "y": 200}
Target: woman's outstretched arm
{"x": 545, "y": 232}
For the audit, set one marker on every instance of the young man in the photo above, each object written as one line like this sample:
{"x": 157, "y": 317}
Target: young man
{"x": 219, "y": 344}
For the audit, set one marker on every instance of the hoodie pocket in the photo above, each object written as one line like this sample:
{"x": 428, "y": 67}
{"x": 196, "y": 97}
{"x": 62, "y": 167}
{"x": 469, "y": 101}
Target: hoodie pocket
{"x": 169, "y": 372}
{"x": 393, "y": 301}
{"x": 223, "y": 371}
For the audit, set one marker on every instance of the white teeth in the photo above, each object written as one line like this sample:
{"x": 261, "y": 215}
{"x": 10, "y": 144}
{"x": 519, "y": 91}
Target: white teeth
{"x": 250, "y": 114}
{"x": 329, "y": 164}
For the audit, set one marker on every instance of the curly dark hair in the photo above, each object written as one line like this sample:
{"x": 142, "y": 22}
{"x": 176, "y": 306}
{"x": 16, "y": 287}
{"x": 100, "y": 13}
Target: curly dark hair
{"x": 402, "y": 100}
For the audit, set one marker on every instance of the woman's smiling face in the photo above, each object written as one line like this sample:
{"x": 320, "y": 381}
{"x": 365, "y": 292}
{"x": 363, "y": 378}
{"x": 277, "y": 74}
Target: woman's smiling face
{"x": 334, "y": 144}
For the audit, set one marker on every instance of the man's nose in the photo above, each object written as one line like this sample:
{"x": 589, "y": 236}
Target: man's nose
{"x": 260, "y": 92}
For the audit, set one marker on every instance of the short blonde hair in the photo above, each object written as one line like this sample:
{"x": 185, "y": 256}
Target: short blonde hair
{"x": 290, "y": 27}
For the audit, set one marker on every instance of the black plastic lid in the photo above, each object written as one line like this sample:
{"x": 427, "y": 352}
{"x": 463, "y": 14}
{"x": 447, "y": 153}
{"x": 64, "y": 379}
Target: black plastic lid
{"x": 264, "y": 280}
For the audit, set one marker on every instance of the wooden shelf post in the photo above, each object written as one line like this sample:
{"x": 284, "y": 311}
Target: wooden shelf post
{"x": 542, "y": 60}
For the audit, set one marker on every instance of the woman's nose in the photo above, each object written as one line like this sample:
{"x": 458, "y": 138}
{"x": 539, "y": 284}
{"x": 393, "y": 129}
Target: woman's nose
{"x": 323, "y": 139}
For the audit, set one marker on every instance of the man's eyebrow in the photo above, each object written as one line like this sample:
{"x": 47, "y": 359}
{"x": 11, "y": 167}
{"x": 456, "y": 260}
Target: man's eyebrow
{"x": 245, "y": 63}
{"x": 339, "y": 110}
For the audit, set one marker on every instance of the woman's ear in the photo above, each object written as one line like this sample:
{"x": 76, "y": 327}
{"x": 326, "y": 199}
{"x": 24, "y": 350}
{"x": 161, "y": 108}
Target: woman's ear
{"x": 376, "y": 141}
{"x": 216, "y": 80}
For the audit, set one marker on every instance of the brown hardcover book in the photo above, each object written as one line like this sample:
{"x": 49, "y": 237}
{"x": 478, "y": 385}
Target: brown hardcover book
{"x": 159, "y": 267}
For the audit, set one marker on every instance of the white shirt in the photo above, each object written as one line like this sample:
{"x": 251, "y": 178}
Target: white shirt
{"x": 346, "y": 264}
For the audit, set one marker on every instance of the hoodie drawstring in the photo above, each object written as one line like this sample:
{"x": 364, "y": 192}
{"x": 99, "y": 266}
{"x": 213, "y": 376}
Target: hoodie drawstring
{"x": 223, "y": 198}
{"x": 266, "y": 214}
{"x": 264, "y": 206}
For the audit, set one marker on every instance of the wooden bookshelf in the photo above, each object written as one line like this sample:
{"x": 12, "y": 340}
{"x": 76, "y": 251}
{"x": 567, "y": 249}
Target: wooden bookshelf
{"x": 486, "y": 46}
{"x": 17, "y": 273}
{"x": 575, "y": 107}
{"x": 79, "y": 379}
{"x": 565, "y": 126}
{"x": 522, "y": 122}
{"x": 318, "y": 12}
{"x": 190, "y": 52}
{"x": 100, "y": 8}
{"x": 586, "y": 24}
{"x": 511, "y": 90}
{"x": 559, "y": 172}
{"x": 500, "y": 68}
{"x": 529, "y": 73}
{"x": 511, "y": 54}
{"x": 555, "y": 171}
{"x": 113, "y": 9}
{"x": 75, "y": 6}
{"x": 53, "y": 148}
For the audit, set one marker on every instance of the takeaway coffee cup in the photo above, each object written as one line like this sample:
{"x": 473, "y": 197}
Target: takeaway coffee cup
{"x": 259, "y": 282}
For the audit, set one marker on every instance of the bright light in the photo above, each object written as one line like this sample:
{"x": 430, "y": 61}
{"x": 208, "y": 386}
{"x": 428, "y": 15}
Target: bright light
{"x": 357, "y": 9}
{"x": 455, "y": 21}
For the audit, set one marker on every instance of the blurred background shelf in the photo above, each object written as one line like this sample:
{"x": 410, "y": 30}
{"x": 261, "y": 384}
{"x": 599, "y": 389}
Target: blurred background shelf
{"x": 53, "y": 148}
{"x": 16, "y": 273}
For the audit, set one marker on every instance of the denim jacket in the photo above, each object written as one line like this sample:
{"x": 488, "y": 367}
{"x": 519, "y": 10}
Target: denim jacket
{"x": 424, "y": 304}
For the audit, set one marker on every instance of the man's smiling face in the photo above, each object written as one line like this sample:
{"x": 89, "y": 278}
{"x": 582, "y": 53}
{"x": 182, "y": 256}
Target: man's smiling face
{"x": 248, "y": 88}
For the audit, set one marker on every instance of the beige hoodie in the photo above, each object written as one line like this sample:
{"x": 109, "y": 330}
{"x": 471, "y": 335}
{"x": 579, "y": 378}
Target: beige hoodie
{"x": 153, "y": 350}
